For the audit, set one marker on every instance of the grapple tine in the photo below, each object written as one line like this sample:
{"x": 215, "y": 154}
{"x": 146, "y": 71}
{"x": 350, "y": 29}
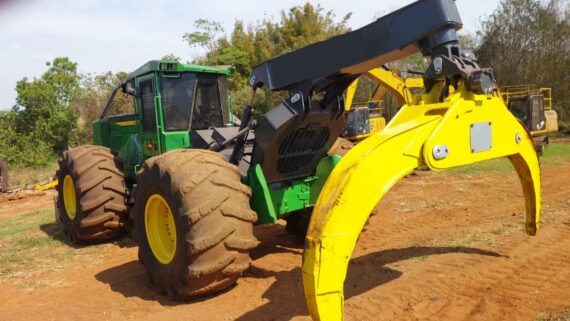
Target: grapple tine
{"x": 527, "y": 167}
{"x": 349, "y": 196}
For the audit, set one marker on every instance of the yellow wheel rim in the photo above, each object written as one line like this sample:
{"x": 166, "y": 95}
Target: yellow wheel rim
{"x": 160, "y": 228}
{"x": 69, "y": 198}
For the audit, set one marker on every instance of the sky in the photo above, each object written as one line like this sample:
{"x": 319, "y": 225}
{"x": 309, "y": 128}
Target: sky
{"x": 121, "y": 35}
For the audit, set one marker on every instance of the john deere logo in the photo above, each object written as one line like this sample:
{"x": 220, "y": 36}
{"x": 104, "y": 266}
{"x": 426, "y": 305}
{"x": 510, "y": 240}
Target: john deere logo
{"x": 149, "y": 145}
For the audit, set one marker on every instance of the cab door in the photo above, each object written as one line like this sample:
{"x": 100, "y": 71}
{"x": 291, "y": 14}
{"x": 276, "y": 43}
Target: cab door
{"x": 146, "y": 105}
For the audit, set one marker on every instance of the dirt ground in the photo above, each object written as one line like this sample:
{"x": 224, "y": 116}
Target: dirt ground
{"x": 444, "y": 246}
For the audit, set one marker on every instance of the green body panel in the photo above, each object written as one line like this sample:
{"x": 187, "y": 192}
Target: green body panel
{"x": 114, "y": 133}
{"x": 132, "y": 153}
{"x": 100, "y": 133}
{"x": 175, "y": 140}
{"x": 271, "y": 204}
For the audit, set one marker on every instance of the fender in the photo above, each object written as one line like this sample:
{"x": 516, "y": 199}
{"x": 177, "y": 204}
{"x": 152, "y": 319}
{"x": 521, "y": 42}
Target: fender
{"x": 465, "y": 128}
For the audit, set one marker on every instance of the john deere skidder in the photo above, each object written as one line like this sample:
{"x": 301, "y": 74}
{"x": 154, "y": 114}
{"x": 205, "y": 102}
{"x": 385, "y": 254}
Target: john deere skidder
{"x": 195, "y": 184}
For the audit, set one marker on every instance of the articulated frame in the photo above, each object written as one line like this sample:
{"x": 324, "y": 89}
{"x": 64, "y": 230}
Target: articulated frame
{"x": 462, "y": 129}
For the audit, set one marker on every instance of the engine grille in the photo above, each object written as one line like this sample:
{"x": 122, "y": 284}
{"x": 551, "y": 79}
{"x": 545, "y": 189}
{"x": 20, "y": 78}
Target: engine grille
{"x": 300, "y": 147}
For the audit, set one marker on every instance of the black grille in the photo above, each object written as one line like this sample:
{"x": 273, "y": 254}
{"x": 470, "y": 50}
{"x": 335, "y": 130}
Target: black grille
{"x": 300, "y": 147}
{"x": 292, "y": 164}
{"x": 147, "y": 106}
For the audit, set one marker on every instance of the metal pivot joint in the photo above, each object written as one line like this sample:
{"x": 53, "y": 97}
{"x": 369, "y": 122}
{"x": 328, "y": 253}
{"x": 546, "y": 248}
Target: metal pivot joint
{"x": 440, "y": 152}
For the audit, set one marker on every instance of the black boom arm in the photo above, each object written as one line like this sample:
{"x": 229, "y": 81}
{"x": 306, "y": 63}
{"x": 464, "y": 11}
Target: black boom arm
{"x": 293, "y": 137}
{"x": 424, "y": 26}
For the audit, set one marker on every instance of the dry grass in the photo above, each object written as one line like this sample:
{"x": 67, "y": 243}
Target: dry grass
{"x": 565, "y": 316}
{"x": 20, "y": 177}
{"x": 33, "y": 243}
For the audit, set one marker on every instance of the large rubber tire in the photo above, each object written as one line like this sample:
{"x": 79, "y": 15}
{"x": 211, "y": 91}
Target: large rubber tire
{"x": 4, "y": 177}
{"x": 212, "y": 217}
{"x": 100, "y": 194}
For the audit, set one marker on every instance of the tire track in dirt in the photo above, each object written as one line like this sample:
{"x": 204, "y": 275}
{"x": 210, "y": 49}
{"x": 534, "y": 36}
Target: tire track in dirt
{"x": 532, "y": 279}
{"x": 472, "y": 286}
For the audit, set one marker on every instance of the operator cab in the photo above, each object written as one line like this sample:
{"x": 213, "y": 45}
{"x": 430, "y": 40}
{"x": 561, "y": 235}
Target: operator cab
{"x": 357, "y": 122}
{"x": 529, "y": 109}
{"x": 166, "y": 105}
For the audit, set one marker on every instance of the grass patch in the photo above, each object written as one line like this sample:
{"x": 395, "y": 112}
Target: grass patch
{"x": 565, "y": 316}
{"x": 22, "y": 176}
{"x": 493, "y": 165}
{"x": 33, "y": 241}
{"x": 501, "y": 229}
{"x": 555, "y": 154}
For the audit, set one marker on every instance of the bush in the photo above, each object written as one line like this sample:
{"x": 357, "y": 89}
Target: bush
{"x": 22, "y": 150}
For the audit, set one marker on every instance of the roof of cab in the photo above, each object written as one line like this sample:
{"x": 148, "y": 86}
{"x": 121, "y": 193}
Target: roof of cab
{"x": 174, "y": 66}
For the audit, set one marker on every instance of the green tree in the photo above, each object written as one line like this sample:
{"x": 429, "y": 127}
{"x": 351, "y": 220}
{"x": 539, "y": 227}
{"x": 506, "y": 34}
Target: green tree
{"x": 171, "y": 57}
{"x": 204, "y": 35}
{"x": 528, "y": 42}
{"x": 42, "y": 106}
{"x": 19, "y": 149}
{"x": 245, "y": 47}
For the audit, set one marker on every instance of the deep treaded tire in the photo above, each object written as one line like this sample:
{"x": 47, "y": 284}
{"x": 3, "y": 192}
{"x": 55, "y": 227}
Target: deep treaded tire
{"x": 100, "y": 194}
{"x": 212, "y": 219}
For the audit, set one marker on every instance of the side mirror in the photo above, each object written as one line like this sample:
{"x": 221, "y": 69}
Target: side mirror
{"x": 129, "y": 90}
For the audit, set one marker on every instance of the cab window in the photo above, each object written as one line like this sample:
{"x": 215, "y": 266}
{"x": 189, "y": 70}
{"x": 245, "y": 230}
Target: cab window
{"x": 177, "y": 94}
{"x": 120, "y": 104}
{"x": 207, "y": 111}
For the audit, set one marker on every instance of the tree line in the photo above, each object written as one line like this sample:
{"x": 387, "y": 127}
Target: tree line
{"x": 525, "y": 41}
{"x": 528, "y": 42}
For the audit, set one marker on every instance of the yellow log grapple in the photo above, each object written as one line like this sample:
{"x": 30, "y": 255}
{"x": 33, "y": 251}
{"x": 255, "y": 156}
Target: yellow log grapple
{"x": 460, "y": 119}
{"x": 440, "y": 135}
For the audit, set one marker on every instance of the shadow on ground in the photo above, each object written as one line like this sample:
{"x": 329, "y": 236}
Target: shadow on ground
{"x": 285, "y": 295}
{"x": 55, "y": 231}
{"x": 364, "y": 273}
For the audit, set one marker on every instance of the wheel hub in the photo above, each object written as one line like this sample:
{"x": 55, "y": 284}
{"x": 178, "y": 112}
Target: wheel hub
{"x": 69, "y": 197}
{"x": 160, "y": 228}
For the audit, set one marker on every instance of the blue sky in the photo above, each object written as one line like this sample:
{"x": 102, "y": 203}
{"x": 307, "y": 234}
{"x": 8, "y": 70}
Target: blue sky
{"x": 120, "y": 35}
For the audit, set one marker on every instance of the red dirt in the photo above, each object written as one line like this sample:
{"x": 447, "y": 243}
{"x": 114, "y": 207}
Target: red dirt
{"x": 28, "y": 202}
{"x": 443, "y": 247}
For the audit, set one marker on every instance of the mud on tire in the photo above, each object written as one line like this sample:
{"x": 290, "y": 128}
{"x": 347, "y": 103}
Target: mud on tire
{"x": 212, "y": 218}
{"x": 101, "y": 195}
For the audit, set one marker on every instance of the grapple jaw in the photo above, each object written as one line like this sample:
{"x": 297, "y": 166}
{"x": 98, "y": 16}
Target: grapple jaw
{"x": 464, "y": 128}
